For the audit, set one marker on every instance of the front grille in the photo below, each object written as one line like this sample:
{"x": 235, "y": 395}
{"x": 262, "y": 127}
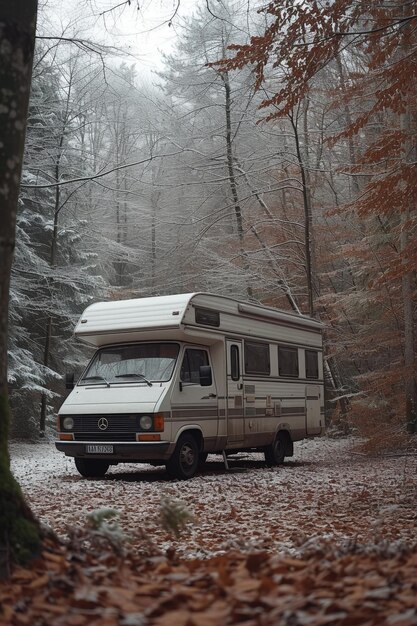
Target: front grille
{"x": 117, "y": 423}
{"x": 105, "y": 436}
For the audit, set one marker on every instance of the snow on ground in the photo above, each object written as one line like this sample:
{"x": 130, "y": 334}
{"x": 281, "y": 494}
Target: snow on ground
{"x": 326, "y": 491}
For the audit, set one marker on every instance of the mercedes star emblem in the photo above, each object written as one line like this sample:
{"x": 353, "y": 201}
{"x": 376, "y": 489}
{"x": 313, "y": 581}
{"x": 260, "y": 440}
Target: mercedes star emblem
{"x": 102, "y": 423}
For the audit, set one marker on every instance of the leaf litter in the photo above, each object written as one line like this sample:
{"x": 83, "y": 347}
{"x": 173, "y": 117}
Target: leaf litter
{"x": 328, "y": 538}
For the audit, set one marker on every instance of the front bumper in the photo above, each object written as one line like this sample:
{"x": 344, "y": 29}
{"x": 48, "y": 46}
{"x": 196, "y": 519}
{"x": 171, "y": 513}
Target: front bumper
{"x": 122, "y": 451}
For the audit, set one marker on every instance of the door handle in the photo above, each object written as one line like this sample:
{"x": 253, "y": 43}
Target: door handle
{"x": 211, "y": 395}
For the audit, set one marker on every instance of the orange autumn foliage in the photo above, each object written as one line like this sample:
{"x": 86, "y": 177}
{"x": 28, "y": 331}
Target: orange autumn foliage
{"x": 367, "y": 248}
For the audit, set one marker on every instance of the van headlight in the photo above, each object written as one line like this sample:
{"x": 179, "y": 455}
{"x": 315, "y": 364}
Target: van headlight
{"x": 145, "y": 422}
{"x": 68, "y": 423}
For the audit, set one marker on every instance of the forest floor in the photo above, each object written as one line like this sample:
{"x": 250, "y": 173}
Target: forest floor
{"x": 328, "y": 538}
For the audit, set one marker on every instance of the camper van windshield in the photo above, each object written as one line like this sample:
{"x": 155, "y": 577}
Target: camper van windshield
{"x": 142, "y": 362}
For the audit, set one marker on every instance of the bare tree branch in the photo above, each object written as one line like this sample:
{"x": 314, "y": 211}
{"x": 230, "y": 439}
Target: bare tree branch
{"x": 100, "y": 174}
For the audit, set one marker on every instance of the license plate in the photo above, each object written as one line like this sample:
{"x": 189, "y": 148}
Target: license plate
{"x": 99, "y": 449}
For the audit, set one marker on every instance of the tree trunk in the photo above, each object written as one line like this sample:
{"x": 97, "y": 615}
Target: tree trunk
{"x": 308, "y": 221}
{"x": 407, "y": 298}
{"x": 19, "y": 532}
{"x": 154, "y": 208}
{"x": 233, "y": 185}
{"x": 348, "y": 121}
{"x": 52, "y": 263}
{"x": 408, "y": 278}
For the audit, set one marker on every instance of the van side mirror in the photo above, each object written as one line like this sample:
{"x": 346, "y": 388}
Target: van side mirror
{"x": 206, "y": 378}
{"x": 69, "y": 380}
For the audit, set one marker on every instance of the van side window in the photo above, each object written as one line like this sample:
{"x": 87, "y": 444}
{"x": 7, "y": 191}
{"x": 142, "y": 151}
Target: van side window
{"x": 288, "y": 361}
{"x": 234, "y": 362}
{"x": 312, "y": 364}
{"x": 190, "y": 368}
{"x": 207, "y": 317}
{"x": 257, "y": 358}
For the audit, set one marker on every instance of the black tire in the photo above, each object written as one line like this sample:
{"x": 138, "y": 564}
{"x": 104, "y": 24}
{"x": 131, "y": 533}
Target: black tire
{"x": 91, "y": 468}
{"x": 184, "y": 461}
{"x": 275, "y": 453}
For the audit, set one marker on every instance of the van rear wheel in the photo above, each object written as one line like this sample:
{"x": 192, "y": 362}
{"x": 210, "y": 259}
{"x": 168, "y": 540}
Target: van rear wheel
{"x": 275, "y": 453}
{"x": 184, "y": 460}
{"x": 91, "y": 468}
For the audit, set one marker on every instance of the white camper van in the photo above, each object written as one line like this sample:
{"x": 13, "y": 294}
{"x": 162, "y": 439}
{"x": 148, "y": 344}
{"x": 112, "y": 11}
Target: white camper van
{"x": 177, "y": 377}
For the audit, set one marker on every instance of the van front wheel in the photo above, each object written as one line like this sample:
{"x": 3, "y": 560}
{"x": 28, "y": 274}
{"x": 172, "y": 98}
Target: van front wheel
{"x": 91, "y": 468}
{"x": 275, "y": 453}
{"x": 184, "y": 460}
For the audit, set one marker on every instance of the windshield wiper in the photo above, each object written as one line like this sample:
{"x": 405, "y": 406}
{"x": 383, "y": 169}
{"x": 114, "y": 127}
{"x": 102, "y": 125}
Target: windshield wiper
{"x": 148, "y": 382}
{"x": 98, "y": 378}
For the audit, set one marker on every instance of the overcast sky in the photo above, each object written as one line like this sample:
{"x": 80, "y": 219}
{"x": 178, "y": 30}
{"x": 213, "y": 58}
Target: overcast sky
{"x": 142, "y": 32}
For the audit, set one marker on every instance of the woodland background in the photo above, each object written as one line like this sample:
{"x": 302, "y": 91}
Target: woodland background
{"x": 284, "y": 175}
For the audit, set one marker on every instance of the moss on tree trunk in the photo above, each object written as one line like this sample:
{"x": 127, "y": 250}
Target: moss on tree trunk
{"x": 20, "y": 537}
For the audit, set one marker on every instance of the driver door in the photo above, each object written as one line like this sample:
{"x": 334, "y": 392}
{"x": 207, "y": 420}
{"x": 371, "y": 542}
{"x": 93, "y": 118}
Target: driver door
{"x": 191, "y": 402}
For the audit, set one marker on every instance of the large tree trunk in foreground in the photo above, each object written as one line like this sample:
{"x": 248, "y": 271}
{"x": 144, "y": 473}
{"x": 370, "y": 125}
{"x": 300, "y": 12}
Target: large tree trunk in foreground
{"x": 19, "y": 532}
